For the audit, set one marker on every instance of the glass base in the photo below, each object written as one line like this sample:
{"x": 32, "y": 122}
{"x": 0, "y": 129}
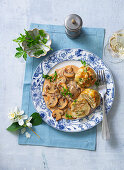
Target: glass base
{"x": 109, "y": 57}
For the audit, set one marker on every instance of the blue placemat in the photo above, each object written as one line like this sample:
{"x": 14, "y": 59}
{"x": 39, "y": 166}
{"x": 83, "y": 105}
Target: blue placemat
{"x": 91, "y": 39}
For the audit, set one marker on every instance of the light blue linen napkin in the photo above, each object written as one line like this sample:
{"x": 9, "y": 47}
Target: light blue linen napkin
{"x": 91, "y": 39}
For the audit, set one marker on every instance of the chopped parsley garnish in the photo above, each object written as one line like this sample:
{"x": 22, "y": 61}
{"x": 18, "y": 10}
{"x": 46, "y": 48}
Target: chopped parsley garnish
{"x": 85, "y": 70}
{"x": 75, "y": 100}
{"x": 51, "y": 78}
{"x": 91, "y": 78}
{"x": 47, "y": 77}
{"x": 68, "y": 116}
{"x": 81, "y": 79}
{"x": 83, "y": 62}
{"x": 97, "y": 83}
{"x": 55, "y": 76}
{"x": 66, "y": 92}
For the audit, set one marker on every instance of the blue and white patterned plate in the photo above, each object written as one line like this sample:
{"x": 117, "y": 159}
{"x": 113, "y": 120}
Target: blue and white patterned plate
{"x": 57, "y": 60}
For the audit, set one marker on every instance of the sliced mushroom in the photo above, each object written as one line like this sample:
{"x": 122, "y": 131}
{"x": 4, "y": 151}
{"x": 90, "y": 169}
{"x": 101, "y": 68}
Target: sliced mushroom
{"x": 50, "y": 88}
{"x": 68, "y": 72}
{"x": 74, "y": 89}
{"x": 58, "y": 114}
{"x": 62, "y": 103}
{"x": 44, "y": 94}
{"x": 58, "y": 95}
{"x": 52, "y": 101}
{"x": 61, "y": 79}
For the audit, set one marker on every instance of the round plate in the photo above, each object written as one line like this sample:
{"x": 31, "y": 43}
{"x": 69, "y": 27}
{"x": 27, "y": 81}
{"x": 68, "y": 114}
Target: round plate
{"x": 57, "y": 60}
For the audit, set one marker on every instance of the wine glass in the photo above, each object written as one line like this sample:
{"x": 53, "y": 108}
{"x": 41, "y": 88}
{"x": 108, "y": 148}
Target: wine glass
{"x": 114, "y": 49}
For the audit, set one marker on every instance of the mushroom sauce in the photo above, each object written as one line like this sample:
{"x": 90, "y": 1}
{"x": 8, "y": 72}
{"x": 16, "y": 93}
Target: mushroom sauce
{"x": 60, "y": 94}
{"x": 61, "y": 91}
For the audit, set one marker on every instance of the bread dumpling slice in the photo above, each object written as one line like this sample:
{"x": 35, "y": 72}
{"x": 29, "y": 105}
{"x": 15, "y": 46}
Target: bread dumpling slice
{"x": 80, "y": 108}
{"x": 92, "y": 97}
{"x": 85, "y": 76}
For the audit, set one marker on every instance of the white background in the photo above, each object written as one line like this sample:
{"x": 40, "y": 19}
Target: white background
{"x": 15, "y": 15}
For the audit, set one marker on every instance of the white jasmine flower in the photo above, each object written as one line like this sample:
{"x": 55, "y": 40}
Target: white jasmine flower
{"x": 16, "y": 115}
{"x": 18, "y": 112}
{"x": 11, "y": 115}
{"x": 23, "y": 130}
{"x": 28, "y": 135}
{"x": 28, "y": 123}
{"x": 21, "y": 119}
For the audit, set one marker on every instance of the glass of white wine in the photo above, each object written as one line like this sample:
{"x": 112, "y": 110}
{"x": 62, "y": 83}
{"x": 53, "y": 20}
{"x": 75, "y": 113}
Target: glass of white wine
{"x": 114, "y": 50}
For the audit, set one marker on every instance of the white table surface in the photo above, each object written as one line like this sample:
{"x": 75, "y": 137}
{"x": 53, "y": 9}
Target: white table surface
{"x": 16, "y": 15}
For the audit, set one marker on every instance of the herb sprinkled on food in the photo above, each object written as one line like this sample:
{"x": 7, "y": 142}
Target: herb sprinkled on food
{"x": 66, "y": 92}
{"x": 55, "y": 76}
{"x": 75, "y": 100}
{"x": 97, "y": 83}
{"x": 81, "y": 79}
{"x": 83, "y": 62}
{"x": 91, "y": 78}
{"x": 68, "y": 116}
{"x": 47, "y": 77}
{"x": 85, "y": 70}
{"x": 51, "y": 78}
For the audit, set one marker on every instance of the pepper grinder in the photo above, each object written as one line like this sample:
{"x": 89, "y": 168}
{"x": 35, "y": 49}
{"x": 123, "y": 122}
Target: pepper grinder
{"x": 73, "y": 25}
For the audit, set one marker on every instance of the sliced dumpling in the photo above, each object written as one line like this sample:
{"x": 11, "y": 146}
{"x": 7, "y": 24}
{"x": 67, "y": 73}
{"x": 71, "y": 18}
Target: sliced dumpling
{"x": 85, "y": 76}
{"x": 80, "y": 108}
{"x": 92, "y": 96}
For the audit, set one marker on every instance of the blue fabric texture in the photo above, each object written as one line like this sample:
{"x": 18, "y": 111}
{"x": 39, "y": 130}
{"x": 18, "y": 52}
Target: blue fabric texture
{"x": 91, "y": 39}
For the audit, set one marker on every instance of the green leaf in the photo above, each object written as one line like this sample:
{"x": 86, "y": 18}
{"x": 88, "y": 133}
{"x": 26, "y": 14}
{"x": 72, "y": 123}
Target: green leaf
{"x": 15, "y": 40}
{"x": 18, "y": 54}
{"x": 55, "y": 76}
{"x": 19, "y": 49}
{"x": 97, "y": 83}
{"x": 66, "y": 92}
{"x": 83, "y": 62}
{"x": 27, "y": 34}
{"x": 75, "y": 100}
{"x": 47, "y": 77}
{"x": 36, "y": 119}
{"x": 38, "y": 52}
{"x": 25, "y": 56}
{"x": 44, "y": 40}
{"x": 68, "y": 116}
{"x": 42, "y": 33}
{"x": 14, "y": 127}
{"x": 85, "y": 70}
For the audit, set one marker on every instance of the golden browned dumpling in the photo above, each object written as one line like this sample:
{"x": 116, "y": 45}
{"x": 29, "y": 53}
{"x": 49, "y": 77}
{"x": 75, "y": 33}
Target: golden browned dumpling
{"x": 80, "y": 108}
{"x": 92, "y": 96}
{"x": 85, "y": 76}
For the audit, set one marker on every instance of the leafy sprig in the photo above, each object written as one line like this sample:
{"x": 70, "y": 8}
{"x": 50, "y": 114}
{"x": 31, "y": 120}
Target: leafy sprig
{"x": 51, "y": 78}
{"x": 21, "y": 53}
{"x": 55, "y": 76}
{"x": 97, "y": 83}
{"x": 75, "y": 100}
{"x": 66, "y": 92}
{"x": 31, "y": 41}
{"x": 83, "y": 62}
{"x": 68, "y": 116}
{"x": 36, "y": 120}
